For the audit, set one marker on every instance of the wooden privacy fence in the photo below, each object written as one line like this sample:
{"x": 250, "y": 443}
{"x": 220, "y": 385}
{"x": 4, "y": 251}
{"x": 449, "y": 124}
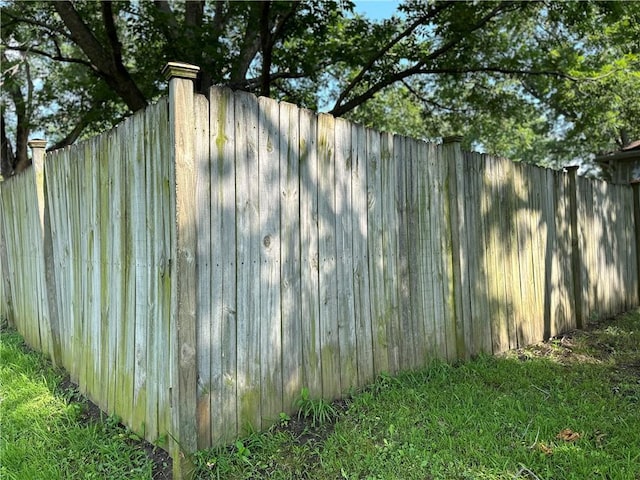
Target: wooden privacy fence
{"x": 196, "y": 267}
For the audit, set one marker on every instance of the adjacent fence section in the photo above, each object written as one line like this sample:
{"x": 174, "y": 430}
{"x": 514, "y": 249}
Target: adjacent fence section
{"x": 108, "y": 201}
{"x": 608, "y": 246}
{"x": 198, "y": 266}
{"x": 23, "y": 261}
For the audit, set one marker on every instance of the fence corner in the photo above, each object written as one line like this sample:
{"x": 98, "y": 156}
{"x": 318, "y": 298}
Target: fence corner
{"x": 38, "y": 151}
{"x": 576, "y": 257}
{"x": 452, "y": 154}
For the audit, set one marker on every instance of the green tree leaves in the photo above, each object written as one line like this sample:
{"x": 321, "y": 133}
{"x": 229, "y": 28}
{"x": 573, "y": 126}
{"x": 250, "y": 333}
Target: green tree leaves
{"x": 535, "y": 81}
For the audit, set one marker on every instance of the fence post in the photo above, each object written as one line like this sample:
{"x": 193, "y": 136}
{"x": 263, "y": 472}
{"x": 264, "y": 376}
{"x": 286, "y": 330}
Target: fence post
{"x": 635, "y": 185}
{"x": 183, "y": 377}
{"x": 452, "y": 153}
{"x": 38, "y": 153}
{"x": 576, "y": 258}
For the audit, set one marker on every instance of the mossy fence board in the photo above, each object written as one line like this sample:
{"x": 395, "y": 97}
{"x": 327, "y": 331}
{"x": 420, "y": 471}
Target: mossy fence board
{"x": 197, "y": 266}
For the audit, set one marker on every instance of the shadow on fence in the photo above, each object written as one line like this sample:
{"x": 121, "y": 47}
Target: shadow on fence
{"x": 198, "y": 266}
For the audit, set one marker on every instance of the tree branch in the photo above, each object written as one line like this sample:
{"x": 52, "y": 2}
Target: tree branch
{"x": 36, "y": 23}
{"x": 194, "y": 11}
{"x": 22, "y": 116}
{"x": 393, "y": 42}
{"x": 58, "y": 57}
{"x": 112, "y": 33}
{"x": 7, "y": 159}
{"x": 170, "y": 29}
{"x": 105, "y": 65}
{"x": 73, "y": 135}
{"x": 479, "y": 24}
{"x": 429, "y": 101}
{"x": 340, "y": 109}
{"x": 250, "y": 46}
{"x": 265, "y": 37}
{"x": 419, "y": 70}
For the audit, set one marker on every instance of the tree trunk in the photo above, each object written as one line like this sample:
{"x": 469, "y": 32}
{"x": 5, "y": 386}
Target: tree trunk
{"x": 106, "y": 63}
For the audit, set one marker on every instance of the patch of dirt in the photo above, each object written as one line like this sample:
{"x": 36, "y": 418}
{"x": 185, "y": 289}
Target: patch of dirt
{"x": 603, "y": 342}
{"x": 305, "y": 433}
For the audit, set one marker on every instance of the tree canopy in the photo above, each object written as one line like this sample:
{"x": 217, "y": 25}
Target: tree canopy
{"x": 536, "y": 81}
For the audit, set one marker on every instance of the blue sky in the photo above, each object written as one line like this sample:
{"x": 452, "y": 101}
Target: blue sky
{"x": 376, "y": 9}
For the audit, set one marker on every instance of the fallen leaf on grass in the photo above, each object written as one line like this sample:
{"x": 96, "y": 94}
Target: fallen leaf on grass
{"x": 544, "y": 449}
{"x": 568, "y": 435}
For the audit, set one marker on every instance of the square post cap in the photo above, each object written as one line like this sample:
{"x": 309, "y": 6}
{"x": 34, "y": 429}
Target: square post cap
{"x": 180, "y": 70}
{"x": 37, "y": 143}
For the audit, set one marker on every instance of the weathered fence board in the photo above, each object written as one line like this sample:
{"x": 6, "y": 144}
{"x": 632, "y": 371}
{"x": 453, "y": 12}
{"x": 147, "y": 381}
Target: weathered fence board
{"x": 344, "y": 264}
{"x": 271, "y": 346}
{"x": 376, "y": 154}
{"x": 290, "y": 263}
{"x": 309, "y": 246}
{"x": 212, "y": 256}
{"x": 359, "y": 225}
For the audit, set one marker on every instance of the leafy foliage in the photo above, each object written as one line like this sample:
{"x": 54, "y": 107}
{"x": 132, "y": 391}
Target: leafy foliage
{"x": 537, "y": 81}
{"x": 317, "y": 411}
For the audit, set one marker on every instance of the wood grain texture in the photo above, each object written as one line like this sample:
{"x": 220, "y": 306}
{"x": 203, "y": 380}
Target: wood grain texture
{"x": 378, "y": 151}
{"x": 290, "y": 263}
{"x": 344, "y": 254}
{"x": 359, "y": 236}
{"x": 247, "y": 252}
{"x": 271, "y": 352}
{"x": 212, "y": 256}
{"x": 309, "y": 246}
{"x": 329, "y": 341}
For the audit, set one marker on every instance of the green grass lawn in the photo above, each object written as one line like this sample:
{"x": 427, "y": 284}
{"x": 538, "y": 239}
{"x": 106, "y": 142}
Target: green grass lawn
{"x": 48, "y": 432}
{"x": 564, "y": 409}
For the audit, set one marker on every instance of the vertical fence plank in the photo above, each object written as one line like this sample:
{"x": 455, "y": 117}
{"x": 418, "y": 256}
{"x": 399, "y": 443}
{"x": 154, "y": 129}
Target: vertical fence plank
{"x": 344, "y": 255}
{"x": 222, "y": 114}
{"x": 391, "y": 307}
{"x": 330, "y": 348}
{"x": 445, "y": 215}
{"x": 415, "y": 252}
{"x": 482, "y": 314}
{"x": 203, "y": 259}
{"x": 141, "y": 275}
{"x": 104, "y": 260}
{"x": 378, "y": 152}
{"x": 426, "y": 241}
{"x": 403, "y": 333}
{"x": 309, "y": 269}
{"x": 468, "y": 241}
{"x": 635, "y": 236}
{"x": 456, "y": 231}
{"x": 153, "y": 158}
{"x": 526, "y": 251}
{"x": 246, "y": 133}
{"x": 290, "y": 253}
{"x": 94, "y": 273}
{"x": 360, "y": 233}
{"x": 127, "y": 330}
{"x": 271, "y": 351}
{"x": 435, "y": 195}
{"x": 221, "y": 152}
{"x": 49, "y": 332}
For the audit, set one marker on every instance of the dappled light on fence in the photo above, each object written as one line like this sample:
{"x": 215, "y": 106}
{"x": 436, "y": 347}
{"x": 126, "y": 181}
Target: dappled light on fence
{"x": 198, "y": 266}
